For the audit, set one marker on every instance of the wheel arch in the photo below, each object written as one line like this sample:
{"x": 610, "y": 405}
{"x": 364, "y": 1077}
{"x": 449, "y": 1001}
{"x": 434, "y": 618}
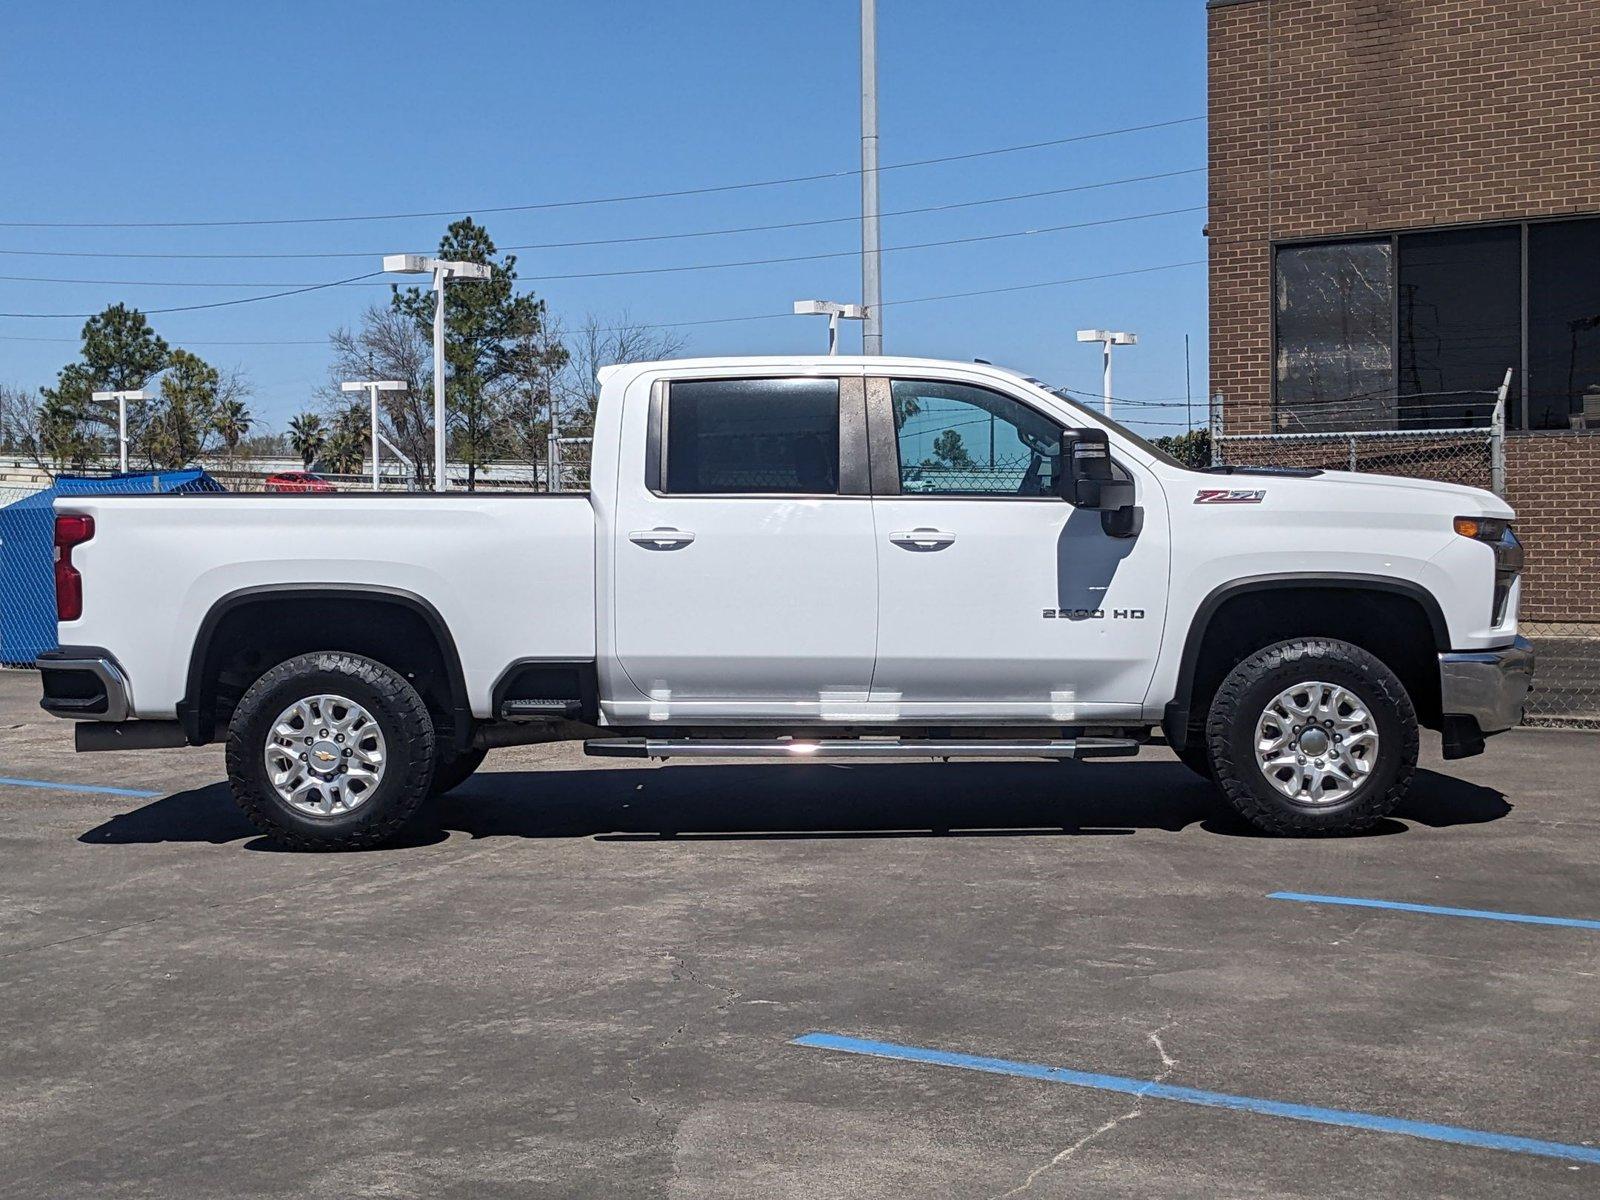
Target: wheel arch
{"x": 1193, "y": 679}
{"x": 216, "y": 638}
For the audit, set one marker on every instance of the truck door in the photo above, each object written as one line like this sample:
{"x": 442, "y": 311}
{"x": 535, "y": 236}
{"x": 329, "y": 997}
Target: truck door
{"x": 997, "y": 599}
{"x": 745, "y": 567}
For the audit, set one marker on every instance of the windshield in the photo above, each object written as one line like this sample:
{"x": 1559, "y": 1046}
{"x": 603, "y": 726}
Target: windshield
{"x": 1149, "y": 447}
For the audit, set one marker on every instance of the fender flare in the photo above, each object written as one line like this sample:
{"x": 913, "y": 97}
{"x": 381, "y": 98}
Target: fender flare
{"x": 1175, "y": 718}
{"x": 197, "y": 719}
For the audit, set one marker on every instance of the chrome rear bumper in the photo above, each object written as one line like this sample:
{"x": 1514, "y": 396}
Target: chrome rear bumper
{"x": 83, "y": 683}
{"x": 1490, "y": 686}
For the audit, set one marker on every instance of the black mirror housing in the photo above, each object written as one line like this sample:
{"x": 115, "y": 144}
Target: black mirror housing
{"x": 1087, "y": 481}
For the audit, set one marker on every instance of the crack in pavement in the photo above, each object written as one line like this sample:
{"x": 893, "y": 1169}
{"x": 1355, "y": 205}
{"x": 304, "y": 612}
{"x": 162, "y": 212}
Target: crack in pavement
{"x": 1168, "y": 1064}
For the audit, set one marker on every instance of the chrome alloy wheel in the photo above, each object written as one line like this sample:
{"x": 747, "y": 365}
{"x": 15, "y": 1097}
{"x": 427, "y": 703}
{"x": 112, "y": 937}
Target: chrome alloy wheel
{"x": 1316, "y": 742}
{"x": 325, "y": 756}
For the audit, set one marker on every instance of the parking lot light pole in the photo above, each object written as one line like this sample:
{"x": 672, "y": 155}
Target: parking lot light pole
{"x": 833, "y": 311}
{"x": 442, "y": 270}
{"x": 122, "y": 399}
{"x": 372, "y": 387}
{"x": 1107, "y": 338}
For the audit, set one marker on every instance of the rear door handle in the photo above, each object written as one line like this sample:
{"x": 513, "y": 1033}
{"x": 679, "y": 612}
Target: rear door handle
{"x": 922, "y": 539}
{"x": 661, "y": 539}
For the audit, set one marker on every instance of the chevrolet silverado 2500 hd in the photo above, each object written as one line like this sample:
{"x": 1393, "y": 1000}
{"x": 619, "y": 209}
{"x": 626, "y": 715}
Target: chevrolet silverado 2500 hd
{"x": 803, "y": 558}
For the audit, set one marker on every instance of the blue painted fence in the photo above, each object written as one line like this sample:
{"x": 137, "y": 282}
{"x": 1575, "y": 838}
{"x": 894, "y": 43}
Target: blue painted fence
{"x": 27, "y": 553}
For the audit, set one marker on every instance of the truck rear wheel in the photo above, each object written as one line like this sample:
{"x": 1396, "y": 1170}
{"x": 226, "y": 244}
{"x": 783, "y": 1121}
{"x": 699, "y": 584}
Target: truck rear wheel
{"x": 1312, "y": 737}
{"x": 330, "y": 751}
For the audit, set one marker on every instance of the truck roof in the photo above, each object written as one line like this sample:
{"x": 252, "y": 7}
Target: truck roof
{"x": 808, "y": 361}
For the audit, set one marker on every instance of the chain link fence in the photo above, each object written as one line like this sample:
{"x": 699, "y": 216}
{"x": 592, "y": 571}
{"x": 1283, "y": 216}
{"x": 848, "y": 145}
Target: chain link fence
{"x": 1566, "y": 690}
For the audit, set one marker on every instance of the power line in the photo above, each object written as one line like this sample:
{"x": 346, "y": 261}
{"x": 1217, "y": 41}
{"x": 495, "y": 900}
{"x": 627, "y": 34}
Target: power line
{"x": 652, "y": 237}
{"x": 597, "y": 200}
{"x": 1019, "y": 287}
{"x": 762, "y": 262}
{"x": 712, "y": 266}
{"x": 314, "y": 287}
{"x": 1023, "y": 287}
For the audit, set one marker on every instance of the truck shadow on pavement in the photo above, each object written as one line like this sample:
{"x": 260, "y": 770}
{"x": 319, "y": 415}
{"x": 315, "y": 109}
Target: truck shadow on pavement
{"x": 809, "y": 801}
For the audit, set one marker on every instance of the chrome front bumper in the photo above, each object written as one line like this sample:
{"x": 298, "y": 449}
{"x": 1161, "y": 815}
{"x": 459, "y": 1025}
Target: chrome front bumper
{"x": 1490, "y": 686}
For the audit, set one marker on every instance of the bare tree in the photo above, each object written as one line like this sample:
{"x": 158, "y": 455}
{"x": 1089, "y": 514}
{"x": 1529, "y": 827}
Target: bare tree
{"x": 17, "y": 409}
{"x": 387, "y": 344}
{"x": 600, "y": 342}
{"x": 29, "y": 430}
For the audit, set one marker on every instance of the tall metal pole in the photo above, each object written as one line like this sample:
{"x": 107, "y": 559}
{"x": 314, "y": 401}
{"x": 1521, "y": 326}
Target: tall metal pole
{"x": 1106, "y": 390}
{"x": 440, "y": 484}
{"x": 1188, "y": 398}
{"x": 122, "y": 433}
{"x": 871, "y": 249}
{"x": 372, "y": 393}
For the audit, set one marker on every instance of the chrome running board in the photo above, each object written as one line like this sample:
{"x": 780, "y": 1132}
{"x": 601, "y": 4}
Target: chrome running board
{"x": 888, "y": 747}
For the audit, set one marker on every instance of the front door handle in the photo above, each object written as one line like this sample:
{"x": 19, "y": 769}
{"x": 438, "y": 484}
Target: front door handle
{"x": 922, "y": 539}
{"x": 661, "y": 539}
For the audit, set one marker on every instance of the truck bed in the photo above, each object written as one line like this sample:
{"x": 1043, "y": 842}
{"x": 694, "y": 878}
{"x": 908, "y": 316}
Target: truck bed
{"x": 510, "y": 576}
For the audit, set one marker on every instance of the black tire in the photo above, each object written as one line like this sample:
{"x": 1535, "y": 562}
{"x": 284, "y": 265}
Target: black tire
{"x": 451, "y": 773}
{"x": 394, "y": 705}
{"x": 1197, "y": 758}
{"x": 1244, "y": 696}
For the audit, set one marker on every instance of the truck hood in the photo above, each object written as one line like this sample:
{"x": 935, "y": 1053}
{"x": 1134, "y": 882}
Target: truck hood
{"x": 1469, "y": 501}
{"x": 1364, "y": 491}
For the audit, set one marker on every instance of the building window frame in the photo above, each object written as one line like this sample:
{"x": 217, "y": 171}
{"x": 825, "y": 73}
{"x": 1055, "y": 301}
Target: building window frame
{"x": 1518, "y": 421}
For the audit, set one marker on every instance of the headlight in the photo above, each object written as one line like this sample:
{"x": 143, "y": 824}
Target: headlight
{"x": 1496, "y": 532}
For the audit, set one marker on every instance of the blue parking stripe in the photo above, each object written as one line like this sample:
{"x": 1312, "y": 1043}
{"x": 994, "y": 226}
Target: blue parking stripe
{"x": 1454, "y": 1134}
{"x": 6, "y": 781}
{"x": 1436, "y": 910}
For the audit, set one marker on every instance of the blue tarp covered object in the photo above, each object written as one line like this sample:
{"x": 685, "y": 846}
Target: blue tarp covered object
{"x": 27, "y": 553}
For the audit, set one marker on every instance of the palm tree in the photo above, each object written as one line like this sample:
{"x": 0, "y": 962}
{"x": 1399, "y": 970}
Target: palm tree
{"x": 307, "y": 436}
{"x": 345, "y": 447}
{"x": 232, "y": 422}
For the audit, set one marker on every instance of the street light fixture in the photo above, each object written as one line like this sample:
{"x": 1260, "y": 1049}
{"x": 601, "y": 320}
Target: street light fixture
{"x": 442, "y": 270}
{"x": 1107, "y": 338}
{"x": 372, "y": 387}
{"x": 122, "y": 399}
{"x": 833, "y": 311}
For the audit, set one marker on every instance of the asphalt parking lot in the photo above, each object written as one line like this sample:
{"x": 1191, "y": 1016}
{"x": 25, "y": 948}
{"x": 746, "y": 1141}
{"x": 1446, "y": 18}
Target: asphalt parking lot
{"x": 591, "y": 979}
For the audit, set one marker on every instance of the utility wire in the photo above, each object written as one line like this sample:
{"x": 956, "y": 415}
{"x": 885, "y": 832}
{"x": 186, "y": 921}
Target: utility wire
{"x": 314, "y": 287}
{"x": 1019, "y": 287}
{"x": 651, "y": 237}
{"x": 713, "y": 266}
{"x": 596, "y": 200}
{"x": 763, "y": 262}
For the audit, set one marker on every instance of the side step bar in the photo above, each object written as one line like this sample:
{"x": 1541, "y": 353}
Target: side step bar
{"x": 663, "y": 748}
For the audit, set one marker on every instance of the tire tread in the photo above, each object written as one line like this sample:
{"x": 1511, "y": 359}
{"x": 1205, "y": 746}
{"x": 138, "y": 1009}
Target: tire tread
{"x": 1367, "y": 809}
{"x": 416, "y": 765}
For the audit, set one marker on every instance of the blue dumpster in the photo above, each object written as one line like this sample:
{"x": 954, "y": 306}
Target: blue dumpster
{"x": 27, "y": 553}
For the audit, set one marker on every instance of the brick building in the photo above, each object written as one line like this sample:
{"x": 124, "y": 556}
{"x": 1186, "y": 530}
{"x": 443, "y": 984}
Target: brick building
{"x": 1405, "y": 204}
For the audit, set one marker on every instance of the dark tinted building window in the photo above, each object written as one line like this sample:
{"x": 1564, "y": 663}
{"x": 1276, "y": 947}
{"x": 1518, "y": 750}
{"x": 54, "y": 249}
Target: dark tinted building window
{"x": 1564, "y": 325}
{"x": 1417, "y": 330}
{"x": 1335, "y": 334}
{"x": 753, "y": 435}
{"x": 1459, "y": 324}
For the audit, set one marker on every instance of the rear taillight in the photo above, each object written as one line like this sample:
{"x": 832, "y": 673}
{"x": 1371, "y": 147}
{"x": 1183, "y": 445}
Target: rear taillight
{"x": 70, "y": 531}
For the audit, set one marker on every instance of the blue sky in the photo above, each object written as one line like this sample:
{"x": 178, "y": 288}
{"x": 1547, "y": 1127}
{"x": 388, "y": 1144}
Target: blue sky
{"x": 208, "y": 112}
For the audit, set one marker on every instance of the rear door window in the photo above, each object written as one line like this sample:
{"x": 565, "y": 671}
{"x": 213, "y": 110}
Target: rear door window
{"x": 752, "y": 436}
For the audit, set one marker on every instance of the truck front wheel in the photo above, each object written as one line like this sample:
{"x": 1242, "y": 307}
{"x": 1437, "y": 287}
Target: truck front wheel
{"x": 330, "y": 751}
{"x": 452, "y": 772}
{"x": 1312, "y": 737}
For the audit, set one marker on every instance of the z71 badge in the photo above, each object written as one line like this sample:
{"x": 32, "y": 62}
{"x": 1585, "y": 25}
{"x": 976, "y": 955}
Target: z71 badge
{"x": 1230, "y": 495}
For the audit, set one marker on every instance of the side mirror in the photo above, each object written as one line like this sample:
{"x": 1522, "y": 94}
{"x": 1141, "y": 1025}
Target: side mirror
{"x": 1087, "y": 481}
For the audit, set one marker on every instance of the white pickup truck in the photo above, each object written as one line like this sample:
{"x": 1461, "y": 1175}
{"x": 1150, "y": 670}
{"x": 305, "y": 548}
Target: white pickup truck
{"x": 803, "y": 558}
